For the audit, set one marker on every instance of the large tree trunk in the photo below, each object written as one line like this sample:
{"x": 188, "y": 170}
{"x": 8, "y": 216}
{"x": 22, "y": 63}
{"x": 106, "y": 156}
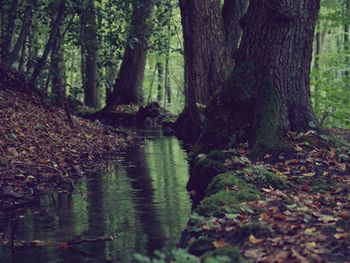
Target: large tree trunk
{"x": 128, "y": 86}
{"x": 207, "y": 59}
{"x": 232, "y": 12}
{"x": 90, "y": 53}
{"x": 268, "y": 93}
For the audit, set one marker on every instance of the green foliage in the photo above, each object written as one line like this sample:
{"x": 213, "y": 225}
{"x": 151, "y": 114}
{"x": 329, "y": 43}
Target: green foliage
{"x": 180, "y": 256}
{"x": 330, "y": 86}
{"x": 233, "y": 253}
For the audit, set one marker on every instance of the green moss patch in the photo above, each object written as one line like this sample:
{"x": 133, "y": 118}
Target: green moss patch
{"x": 224, "y": 195}
{"x": 261, "y": 177}
{"x": 233, "y": 253}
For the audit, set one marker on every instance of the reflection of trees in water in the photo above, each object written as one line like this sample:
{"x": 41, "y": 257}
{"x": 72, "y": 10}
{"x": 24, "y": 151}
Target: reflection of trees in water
{"x": 168, "y": 164}
{"x": 144, "y": 204}
{"x": 144, "y": 196}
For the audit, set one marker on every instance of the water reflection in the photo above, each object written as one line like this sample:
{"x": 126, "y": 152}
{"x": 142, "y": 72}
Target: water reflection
{"x": 143, "y": 202}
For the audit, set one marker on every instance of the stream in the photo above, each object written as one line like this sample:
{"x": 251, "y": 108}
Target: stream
{"x": 142, "y": 201}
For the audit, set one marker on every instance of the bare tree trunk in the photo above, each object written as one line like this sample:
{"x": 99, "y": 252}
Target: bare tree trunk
{"x": 58, "y": 72}
{"x": 160, "y": 72}
{"x": 207, "y": 60}
{"x": 90, "y": 53}
{"x": 33, "y": 47}
{"x": 128, "y": 86}
{"x": 347, "y": 44}
{"x": 10, "y": 28}
{"x": 23, "y": 56}
{"x": 21, "y": 38}
{"x": 167, "y": 70}
{"x": 53, "y": 33}
{"x": 232, "y": 12}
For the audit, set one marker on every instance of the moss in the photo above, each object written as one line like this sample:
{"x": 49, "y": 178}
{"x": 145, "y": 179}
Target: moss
{"x": 203, "y": 172}
{"x": 207, "y": 167}
{"x": 261, "y": 177}
{"x": 218, "y": 204}
{"x": 227, "y": 202}
{"x": 233, "y": 253}
{"x": 230, "y": 110}
{"x": 231, "y": 183}
{"x": 268, "y": 131}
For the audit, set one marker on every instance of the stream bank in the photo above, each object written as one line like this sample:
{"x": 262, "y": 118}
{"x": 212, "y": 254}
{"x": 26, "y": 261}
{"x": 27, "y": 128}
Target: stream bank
{"x": 293, "y": 206}
{"x": 141, "y": 201}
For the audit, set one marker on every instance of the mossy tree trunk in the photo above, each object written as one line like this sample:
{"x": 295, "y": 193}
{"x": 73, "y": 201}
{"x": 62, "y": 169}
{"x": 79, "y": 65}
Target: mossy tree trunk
{"x": 268, "y": 93}
{"x": 207, "y": 59}
{"x": 128, "y": 86}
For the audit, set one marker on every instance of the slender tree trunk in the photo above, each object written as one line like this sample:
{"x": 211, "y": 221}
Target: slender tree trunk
{"x": 232, "y": 12}
{"x": 33, "y": 47}
{"x": 23, "y": 56}
{"x": 207, "y": 59}
{"x": 347, "y": 44}
{"x": 58, "y": 72}
{"x": 10, "y": 28}
{"x": 53, "y": 33}
{"x": 167, "y": 70}
{"x": 160, "y": 72}
{"x": 318, "y": 47}
{"x": 21, "y": 38}
{"x": 90, "y": 53}
{"x": 150, "y": 93}
{"x": 268, "y": 93}
{"x": 128, "y": 86}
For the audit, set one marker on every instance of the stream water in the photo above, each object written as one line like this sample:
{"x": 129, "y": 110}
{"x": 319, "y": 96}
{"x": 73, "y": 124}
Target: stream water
{"x": 142, "y": 202}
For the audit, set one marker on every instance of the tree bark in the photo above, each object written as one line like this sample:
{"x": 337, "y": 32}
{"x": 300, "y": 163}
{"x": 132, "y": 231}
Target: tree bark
{"x": 160, "y": 72}
{"x": 347, "y": 44}
{"x": 58, "y": 72}
{"x": 128, "y": 86}
{"x": 207, "y": 59}
{"x": 10, "y": 29}
{"x": 33, "y": 46}
{"x": 232, "y": 12}
{"x": 167, "y": 85}
{"x": 53, "y": 33}
{"x": 90, "y": 52}
{"x": 268, "y": 93}
{"x": 21, "y": 38}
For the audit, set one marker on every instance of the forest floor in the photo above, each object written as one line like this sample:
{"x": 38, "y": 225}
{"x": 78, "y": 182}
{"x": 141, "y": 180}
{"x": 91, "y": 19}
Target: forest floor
{"x": 293, "y": 207}
{"x": 40, "y": 151}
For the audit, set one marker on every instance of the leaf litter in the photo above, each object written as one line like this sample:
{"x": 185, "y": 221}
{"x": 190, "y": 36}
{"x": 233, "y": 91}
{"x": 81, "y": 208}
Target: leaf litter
{"x": 40, "y": 152}
{"x": 309, "y": 222}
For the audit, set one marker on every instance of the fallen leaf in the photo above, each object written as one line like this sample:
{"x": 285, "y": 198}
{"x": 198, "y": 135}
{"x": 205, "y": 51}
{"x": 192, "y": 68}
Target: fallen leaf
{"x": 254, "y": 240}
{"x": 311, "y": 244}
{"x": 341, "y": 235}
{"x": 310, "y": 230}
{"x": 220, "y": 243}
